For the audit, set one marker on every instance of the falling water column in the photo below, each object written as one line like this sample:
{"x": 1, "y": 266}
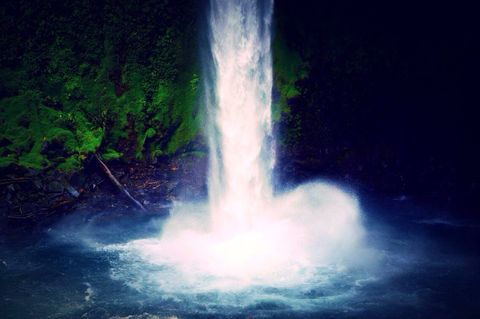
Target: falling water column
{"x": 239, "y": 108}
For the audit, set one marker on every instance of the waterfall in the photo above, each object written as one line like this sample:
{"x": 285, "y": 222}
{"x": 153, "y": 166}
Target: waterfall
{"x": 239, "y": 110}
{"x": 252, "y": 237}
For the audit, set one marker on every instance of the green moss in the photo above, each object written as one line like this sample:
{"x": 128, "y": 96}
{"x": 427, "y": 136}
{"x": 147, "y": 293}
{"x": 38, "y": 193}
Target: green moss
{"x": 186, "y": 114}
{"x": 89, "y": 140}
{"x": 150, "y": 132}
{"x": 6, "y": 161}
{"x": 111, "y": 154}
{"x": 288, "y": 69}
{"x": 12, "y": 81}
{"x": 34, "y": 159}
{"x": 17, "y": 129}
{"x": 28, "y": 126}
{"x": 161, "y": 96}
{"x": 72, "y": 163}
{"x": 160, "y": 107}
{"x": 156, "y": 151}
{"x": 97, "y": 79}
{"x": 64, "y": 136}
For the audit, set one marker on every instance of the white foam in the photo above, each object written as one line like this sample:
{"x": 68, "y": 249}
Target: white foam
{"x": 316, "y": 225}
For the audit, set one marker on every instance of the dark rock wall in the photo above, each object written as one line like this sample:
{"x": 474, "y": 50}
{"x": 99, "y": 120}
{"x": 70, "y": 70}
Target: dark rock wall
{"x": 390, "y": 98}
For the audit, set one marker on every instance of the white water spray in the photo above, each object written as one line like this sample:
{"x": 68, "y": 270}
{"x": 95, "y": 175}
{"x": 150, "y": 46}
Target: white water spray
{"x": 241, "y": 158}
{"x": 252, "y": 237}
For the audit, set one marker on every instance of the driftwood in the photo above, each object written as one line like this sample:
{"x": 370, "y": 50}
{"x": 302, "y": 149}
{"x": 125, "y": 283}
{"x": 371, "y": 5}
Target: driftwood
{"x": 115, "y": 182}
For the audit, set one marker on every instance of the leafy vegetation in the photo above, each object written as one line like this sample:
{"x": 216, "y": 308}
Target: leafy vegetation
{"x": 119, "y": 78}
{"x": 290, "y": 65}
{"x": 289, "y": 68}
{"x": 77, "y": 77}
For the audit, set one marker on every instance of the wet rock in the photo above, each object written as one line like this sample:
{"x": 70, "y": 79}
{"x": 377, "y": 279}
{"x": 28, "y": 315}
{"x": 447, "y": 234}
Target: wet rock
{"x": 3, "y": 210}
{"x": 8, "y": 197}
{"x": 11, "y": 188}
{"x": 93, "y": 182}
{"x": 29, "y": 208}
{"x": 171, "y": 186}
{"x": 55, "y": 187}
{"x": 38, "y": 184}
{"x": 33, "y": 172}
{"x": 77, "y": 180}
{"x": 72, "y": 191}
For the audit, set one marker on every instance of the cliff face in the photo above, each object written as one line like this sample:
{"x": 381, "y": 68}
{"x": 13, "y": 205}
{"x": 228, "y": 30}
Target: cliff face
{"x": 387, "y": 98}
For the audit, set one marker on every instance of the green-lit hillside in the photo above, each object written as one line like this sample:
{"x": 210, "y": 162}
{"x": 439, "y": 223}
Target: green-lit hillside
{"x": 118, "y": 78}
{"x": 80, "y": 77}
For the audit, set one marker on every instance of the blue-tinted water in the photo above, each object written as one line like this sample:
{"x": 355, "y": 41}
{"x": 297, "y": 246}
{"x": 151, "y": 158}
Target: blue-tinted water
{"x": 427, "y": 268}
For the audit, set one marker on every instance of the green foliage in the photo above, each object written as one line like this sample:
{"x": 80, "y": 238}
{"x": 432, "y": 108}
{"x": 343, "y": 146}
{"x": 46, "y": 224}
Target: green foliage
{"x": 30, "y": 129}
{"x": 288, "y": 69}
{"x": 6, "y": 161}
{"x": 96, "y": 76}
{"x": 72, "y": 163}
{"x": 111, "y": 154}
{"x": 185, "y": 116}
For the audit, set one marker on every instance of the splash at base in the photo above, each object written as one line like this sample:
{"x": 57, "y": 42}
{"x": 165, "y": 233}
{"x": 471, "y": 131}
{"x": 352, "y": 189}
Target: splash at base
{"x": 310, "y": 229}
{"x": 244, "y": 236}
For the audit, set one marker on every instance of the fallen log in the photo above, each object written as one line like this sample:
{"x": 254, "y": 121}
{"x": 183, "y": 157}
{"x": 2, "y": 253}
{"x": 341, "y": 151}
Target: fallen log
{"x": 117, "y": 184}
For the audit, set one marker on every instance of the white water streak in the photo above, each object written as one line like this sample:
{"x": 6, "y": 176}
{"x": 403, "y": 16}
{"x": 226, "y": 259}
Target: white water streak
{"x": 241, "y": 157}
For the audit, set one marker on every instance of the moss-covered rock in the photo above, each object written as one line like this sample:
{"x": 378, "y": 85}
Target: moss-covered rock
{"x": 288, "y": 68}
{"x": 96, "y": 76}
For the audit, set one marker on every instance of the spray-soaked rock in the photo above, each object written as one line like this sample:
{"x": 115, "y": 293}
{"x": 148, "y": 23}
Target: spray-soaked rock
{"x": 55, "y": 187}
